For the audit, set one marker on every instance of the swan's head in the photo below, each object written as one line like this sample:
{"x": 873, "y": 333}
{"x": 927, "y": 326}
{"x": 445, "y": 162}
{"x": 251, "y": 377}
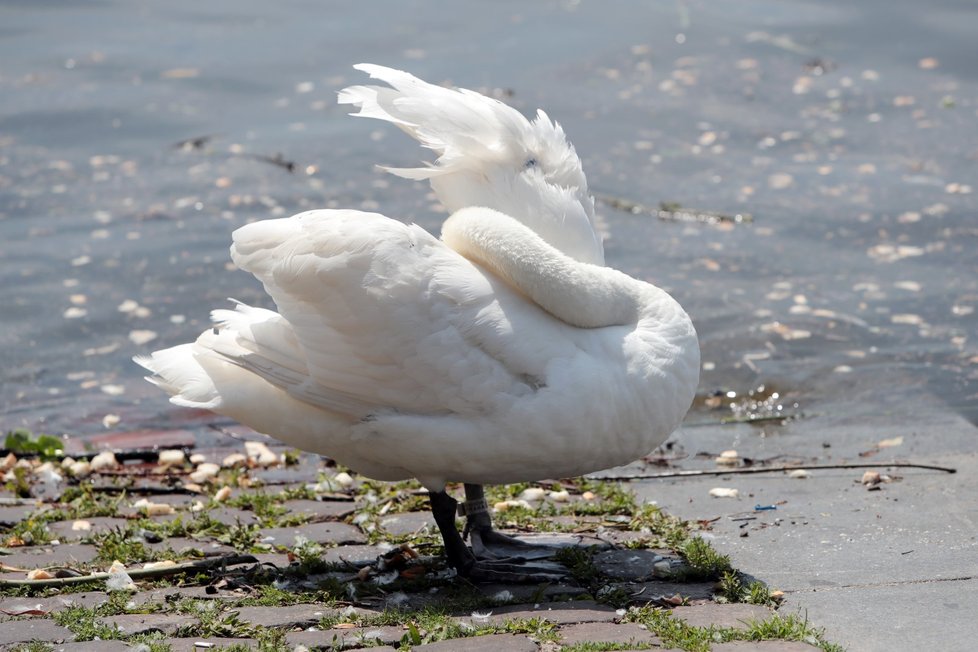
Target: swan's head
{"x": 489, "y": 155}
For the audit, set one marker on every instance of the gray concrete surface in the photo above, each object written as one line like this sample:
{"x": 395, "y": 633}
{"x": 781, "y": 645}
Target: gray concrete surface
{"x": 890, "y": 569}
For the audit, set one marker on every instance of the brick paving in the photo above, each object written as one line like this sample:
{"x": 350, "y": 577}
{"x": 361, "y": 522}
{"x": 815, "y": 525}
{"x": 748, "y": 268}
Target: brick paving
{"x": 219, "y": 608}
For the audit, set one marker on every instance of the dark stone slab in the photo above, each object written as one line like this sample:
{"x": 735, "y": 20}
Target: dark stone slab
{"x": 321, "y": 510}
{"x": 286, "y": 475}
{"x": 232, "y": 515}
{"x": 650, "y": 591}
{"x": 347, "y": 638}
{"x": 527, "y": 592}
{"x": 339, "y": 533}
{"x": 734, "y": 616}
{"x": 94, "y": 646}
{"x": 175, "y": 594}
{"x": 488, "y": 643}
{"x": 204, "y": 644}
{"x": 54, "y": 603}
{"x": 13, "y": 514}
{"x": 130, "y": 624}
{"x": 764, "y": 646}
{"x": 33, "y": 629}
{"x": 561, "y": 613}
{"x": 182, "y": 544}
{"x": 134, "y": 440}
{"x": 408, "y": 523}
{"x": 31, "y": 557}
{"x": 62, "y": 530}
{"x": 633, "y": 565}
{"x": 624, "y": 633}
{"x": 353, "y": 553}
{"x": 296, "y": 615}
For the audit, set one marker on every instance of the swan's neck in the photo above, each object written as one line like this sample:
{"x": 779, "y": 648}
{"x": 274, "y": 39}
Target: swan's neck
{"x": 580, "y": 294}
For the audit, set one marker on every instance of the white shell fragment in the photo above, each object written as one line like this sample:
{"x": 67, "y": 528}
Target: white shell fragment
{"x": 234, "y": 460}
{"x": 104, "y": 461}
{"x": 119, "y": 579}
{"x": 39, "y": 574}
{"x": 153, "y": 565}
{"x": 205, "y": 471}
{"x": 172, "y": 457}
{"x": 80, "y": 469}
{"x": 505, "y": 505}
{"x": 728, "y": 458}
{"x": 261, "y": 454}
{"x": 154, "y": 509}
{"x": 724, "y": 492}
{"x": 533, "y": 494}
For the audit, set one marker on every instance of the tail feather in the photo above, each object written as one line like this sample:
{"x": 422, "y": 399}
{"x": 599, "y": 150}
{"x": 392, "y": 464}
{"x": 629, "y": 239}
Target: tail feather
{"x": 463, "y": 127}
{"x": 179, "y": 373}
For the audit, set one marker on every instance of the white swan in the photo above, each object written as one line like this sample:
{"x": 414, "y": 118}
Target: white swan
{"x": 504, "y": 352}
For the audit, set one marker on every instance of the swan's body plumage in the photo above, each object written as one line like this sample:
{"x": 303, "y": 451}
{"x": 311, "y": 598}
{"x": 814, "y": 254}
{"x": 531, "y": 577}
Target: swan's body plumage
{"x": 504, "y": 351}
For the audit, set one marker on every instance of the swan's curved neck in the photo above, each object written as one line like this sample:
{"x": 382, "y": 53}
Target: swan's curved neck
{"x": 580, "y": 294}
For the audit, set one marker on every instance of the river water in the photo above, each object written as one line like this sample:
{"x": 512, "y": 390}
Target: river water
{"x": 847, "y": 131}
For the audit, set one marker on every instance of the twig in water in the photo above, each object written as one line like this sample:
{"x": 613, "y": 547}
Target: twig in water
{"x": 769, "y": 469}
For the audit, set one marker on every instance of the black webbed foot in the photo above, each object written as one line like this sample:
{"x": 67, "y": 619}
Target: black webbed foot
{"x": 494, "y": 557}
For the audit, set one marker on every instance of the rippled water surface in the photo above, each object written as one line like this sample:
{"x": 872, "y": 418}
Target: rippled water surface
{"x": 846, "y": 130}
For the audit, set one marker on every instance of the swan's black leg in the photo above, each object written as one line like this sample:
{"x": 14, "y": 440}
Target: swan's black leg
{"x": 475, "y": 566}
{"x": 487, "y": 542}
{"x": 443, "y": 508}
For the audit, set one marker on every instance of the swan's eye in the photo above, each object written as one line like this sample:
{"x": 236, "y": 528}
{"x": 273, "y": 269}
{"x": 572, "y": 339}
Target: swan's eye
{"x": 529, "y": 163}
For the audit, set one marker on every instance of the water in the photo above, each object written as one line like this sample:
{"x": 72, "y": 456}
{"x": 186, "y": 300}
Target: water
{"x": 847, "y": 131}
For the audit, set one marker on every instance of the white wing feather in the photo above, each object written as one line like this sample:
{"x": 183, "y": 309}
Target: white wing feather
{"x": 381, "y": 317}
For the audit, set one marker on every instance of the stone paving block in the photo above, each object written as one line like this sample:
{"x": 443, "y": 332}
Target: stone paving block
{"x": 31, "y": 557}
{"x": 340, "y": 533}
{"x": 13, "y": 514}
{"x": 64, "y": 530}
{"x": 15, "y": 605}
{"x": 286, "y": 475}
{"x": 94, "y": 646}
{"x": 734, "y": 616}
{"x": 347, "y": 638}
{"x": 408, "y": 523}
{"x": 175, "y": 594}
{"x": 135, "y": 440}
{"x": 231, "y": 515}
{"x": 488, "y": 643}
{"x": 182, "y": 544}
{"x": 321, "y": 510}
{"x": 130, "y": 624}
{"x": 583, "y": 611}
{"x": 34, "y": 629}
{"x": 644, "y": 592}
{"x": 204, "y": 644}
{"x": 634, "y": 565}
{"x": 353, "y": 553}
{"x": 624, "y": 633}
{"x": 528, "y": 592}
{"x": 764, "y": 646}
{"x": 297, "y": 615}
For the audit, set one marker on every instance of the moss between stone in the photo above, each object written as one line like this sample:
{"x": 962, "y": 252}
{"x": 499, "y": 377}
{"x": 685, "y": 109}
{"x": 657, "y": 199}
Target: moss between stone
{"x": 607, "y": 506}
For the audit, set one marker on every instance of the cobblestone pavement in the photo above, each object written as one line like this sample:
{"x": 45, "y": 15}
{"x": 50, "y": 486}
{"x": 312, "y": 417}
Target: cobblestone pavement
{"x": 284, "y": 552}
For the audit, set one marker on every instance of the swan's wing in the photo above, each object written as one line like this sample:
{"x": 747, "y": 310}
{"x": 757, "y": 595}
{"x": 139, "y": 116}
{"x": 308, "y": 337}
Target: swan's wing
{"x": 387, "y": 318}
